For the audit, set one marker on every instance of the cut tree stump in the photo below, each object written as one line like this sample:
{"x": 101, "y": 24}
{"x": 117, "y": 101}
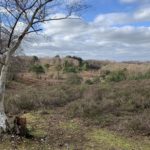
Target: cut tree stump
{"x": 18, "y": 126}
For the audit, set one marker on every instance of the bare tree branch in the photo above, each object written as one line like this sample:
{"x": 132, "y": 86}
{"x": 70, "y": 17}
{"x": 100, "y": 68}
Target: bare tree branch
{"x": 35, "y": 31}
{"x": 30, "y": 13}
{"x": 19, "y": 18}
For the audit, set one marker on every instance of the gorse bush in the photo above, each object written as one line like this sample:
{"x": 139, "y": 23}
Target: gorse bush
{"x": 73, "y": 78}
{"x": 95, "y": 80}
{"x": 140, "y": 76}
{"x": 68, "y": 68}
{"x": 104, "y": 73}
{"x": 89, "y": 82}
{"x": 117, "y": 76}
{"x": 147, "y": 74}
{"x": 84, "y": 66}
{"x": 120, "y": 75}
{"x": 34, "y": 60}
{"x": 71, "y": 69}
{"x": 47, "y": 66}
{"x": 37, "y": 69}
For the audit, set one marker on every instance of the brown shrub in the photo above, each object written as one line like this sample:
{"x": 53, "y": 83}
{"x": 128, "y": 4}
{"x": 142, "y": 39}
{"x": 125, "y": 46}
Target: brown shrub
{"x": 32, "y": 98}
{"x": 140, "y": 124}
{"x": 93, "y": 105}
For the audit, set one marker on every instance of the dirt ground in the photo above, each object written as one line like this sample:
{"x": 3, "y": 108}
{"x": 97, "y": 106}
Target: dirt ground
{"x": 53, "y": 131}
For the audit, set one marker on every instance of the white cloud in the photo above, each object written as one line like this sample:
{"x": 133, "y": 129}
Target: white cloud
{"x": 92, "y": 40}
{"x": 143, "y": 14}
{"x": 133, "y": 1}
{"x": 128, "y": 1}
{"x": 108, "y": 36}
{"x": 121, "y": 18}
{"x": 112, "y": 19}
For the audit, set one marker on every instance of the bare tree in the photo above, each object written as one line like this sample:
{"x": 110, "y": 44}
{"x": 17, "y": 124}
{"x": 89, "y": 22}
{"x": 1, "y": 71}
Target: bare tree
{"x": 29, "y": 14}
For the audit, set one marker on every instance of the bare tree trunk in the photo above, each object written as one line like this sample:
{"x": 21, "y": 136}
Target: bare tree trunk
{"x": 3, "y": 77}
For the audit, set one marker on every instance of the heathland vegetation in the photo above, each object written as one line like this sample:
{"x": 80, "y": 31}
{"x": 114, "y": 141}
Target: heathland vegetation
{"x": 70, "y": 103}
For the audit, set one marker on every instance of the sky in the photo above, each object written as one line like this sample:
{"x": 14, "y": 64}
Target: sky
{"x": 108, "y": 30}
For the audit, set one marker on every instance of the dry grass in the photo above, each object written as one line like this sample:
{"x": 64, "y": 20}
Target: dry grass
{"x": 132, "y": 68}
{"x": 115, "y": 104}
{"x": 27, "y": 97}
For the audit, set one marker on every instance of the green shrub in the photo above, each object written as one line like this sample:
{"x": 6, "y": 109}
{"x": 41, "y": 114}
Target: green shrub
{"x": 84, "y": 66}
{"x": 68, "y": 68}
{"x": 37, "y": 69}
{"x": 47, "y": 66}
{"x": 147, "y": 75}
{"x": 104, "y": 73}
{"x": 73, "y": 78}
{"x": 96, "y": 79}
{"x": 140, "y": 76}
{"x": 89, "y": 82}
{"x": 117, "y": 76}
{"x": 35, "y": 60}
